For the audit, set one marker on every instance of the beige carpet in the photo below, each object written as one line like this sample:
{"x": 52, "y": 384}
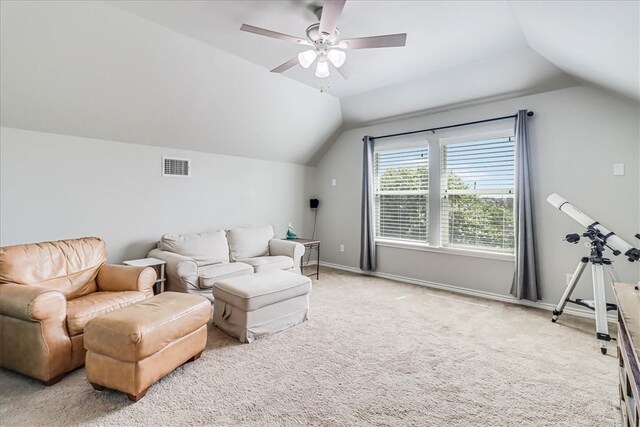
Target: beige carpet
{"x": 374, "y": 352}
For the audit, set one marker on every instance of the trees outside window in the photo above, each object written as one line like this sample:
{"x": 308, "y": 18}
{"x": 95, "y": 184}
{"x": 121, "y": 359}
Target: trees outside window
{"x": 476, "y": 195}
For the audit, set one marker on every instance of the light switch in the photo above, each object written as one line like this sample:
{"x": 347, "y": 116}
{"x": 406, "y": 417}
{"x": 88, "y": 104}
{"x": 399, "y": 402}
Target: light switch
{"x": 333, "y": 182}
{"x": 618, "y": 169}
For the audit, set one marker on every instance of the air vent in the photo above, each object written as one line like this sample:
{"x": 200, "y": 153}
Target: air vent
{"x": 176, "y": 167}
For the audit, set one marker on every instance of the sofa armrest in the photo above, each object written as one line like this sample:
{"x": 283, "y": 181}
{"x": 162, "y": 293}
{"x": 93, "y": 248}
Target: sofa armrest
{"x": 182, "y": 271}
{"x": 32, "y": 303}
{"x": 293, "y": 250}
{"x": 34, "y": 339}
{"x": 118, "y": 278}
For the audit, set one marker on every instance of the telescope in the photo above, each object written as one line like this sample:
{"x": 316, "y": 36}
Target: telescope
{"x": 600, "y": 237}
{"x": 609, "y": 238}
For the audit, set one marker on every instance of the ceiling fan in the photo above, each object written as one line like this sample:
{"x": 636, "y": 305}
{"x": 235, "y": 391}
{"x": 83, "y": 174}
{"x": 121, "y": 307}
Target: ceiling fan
{"x": 325, "y": 43}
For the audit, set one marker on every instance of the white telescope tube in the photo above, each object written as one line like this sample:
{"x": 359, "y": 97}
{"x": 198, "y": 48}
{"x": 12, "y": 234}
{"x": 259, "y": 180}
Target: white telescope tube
{"x": 613, "y": 241}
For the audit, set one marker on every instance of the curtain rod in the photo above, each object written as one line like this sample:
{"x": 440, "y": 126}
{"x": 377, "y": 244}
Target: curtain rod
{"x": 530, "y": 113}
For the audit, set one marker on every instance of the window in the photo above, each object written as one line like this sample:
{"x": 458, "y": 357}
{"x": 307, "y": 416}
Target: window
{"x": 447, "y": 192}
{"x": 476, "y": 209}
{"x": 402, "y": 194}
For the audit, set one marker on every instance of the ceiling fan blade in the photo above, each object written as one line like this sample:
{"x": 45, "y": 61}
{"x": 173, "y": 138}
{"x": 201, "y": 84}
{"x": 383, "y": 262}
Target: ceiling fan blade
{"x": 389, "y": 40}
{"x": 284, "y": 67}
{"x": 273, "y": 34}
{"x": 331, "y": 11}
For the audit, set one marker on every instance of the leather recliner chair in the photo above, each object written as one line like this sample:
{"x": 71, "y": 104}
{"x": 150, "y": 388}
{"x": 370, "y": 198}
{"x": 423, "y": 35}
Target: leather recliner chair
{"x": 49, "y": 291}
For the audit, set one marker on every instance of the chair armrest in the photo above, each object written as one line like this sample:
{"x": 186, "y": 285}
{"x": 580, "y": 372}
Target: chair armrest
{"x": 32, "y": 303}
{"x": 293, "y": 250}
{"x": 118, "y": 278}
{"x": 182, "y": 271}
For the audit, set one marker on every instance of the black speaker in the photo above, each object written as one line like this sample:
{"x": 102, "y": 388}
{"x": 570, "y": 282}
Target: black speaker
{"x": 314, "y": 203}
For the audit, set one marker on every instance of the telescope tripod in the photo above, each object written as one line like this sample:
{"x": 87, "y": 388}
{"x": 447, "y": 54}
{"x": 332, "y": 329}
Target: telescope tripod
{"x": 599, "y": 304}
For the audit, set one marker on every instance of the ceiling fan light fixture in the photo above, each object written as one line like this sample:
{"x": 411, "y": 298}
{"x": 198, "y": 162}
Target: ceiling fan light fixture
{"x": 307, "y": 57}
{"x": 324, "y": 41}
{"x": 322, "y": 69}
{"x": 337, "y": 57}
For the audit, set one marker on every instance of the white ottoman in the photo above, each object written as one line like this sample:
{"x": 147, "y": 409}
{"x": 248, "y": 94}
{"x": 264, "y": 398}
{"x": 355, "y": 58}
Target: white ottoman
{"x": 247, "y": 307}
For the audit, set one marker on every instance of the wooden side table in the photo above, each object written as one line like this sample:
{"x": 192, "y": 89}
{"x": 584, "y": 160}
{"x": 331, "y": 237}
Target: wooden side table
{"x": 628, "y": 300}
{"x": 155, "y": 263}
{"x": 309, "y": 245}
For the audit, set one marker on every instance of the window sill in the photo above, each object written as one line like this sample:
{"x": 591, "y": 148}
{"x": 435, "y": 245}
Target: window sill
{"x": 450, "y": 251}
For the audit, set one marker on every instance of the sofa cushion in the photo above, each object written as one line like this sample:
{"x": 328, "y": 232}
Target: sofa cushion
{"x": 249, "y": 242}
{"x": 210, "y": 274}
{"x": 266, "y": 263}
{"x": 259, "y": 290}
{"x": 85, "y": 308}
{"x": 203, "y": 248}
{"x": 68, "y": 266}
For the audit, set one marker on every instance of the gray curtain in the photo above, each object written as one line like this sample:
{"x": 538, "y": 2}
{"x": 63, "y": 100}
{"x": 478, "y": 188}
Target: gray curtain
{"x": 525, "y": 279}
{"x": 367, "y": 230}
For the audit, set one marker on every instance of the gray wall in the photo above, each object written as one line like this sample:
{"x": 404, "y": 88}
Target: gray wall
{"x": 56, "y": 187}
{"x": 578, "y": 134}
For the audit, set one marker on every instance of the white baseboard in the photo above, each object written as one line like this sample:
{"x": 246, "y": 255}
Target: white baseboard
{"x": 466, "y": 291}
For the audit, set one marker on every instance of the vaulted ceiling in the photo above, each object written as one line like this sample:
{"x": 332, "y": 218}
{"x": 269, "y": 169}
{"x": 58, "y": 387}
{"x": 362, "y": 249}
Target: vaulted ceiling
{"x": 440, "y": 35}
{"x": 93, "y": 70}
{"x": 181, "y": 74}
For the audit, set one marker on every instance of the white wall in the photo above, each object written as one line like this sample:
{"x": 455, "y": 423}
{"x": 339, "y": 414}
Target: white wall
{"x": 577, "y": 135}
{"x": 56, "y": 187}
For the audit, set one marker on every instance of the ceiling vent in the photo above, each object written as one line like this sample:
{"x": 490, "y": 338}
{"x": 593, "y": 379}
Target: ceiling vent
{"x": 176, "y": 167}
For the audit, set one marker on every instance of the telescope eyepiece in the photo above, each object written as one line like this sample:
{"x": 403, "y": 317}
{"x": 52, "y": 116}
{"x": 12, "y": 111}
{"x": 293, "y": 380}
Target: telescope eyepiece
{"x": 572, "y": 238}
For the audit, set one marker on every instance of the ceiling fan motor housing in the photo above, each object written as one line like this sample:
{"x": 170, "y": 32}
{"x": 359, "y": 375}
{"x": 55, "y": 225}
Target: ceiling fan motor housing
{"x": 315, "y": 36}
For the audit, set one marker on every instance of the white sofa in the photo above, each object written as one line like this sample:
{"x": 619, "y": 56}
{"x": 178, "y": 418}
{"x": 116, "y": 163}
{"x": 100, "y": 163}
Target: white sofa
{"x": 196, "y": 261}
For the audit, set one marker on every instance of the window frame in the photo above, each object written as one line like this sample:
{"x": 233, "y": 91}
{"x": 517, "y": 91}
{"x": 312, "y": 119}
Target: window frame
{"x": 435, "y": 142}
{"x": 404, "y": 143}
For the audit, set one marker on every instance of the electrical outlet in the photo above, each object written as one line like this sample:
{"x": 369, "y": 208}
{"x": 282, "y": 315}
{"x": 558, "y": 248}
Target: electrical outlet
{"x": 334, "y": 182}
{"x": 568, "y": 278}
{"x": 341, "y": 248}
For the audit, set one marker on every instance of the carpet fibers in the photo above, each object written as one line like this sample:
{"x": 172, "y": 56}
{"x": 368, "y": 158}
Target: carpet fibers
{"x": 374, "y": 352}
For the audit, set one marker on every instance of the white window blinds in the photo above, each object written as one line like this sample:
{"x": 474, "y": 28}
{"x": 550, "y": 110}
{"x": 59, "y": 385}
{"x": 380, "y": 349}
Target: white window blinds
{"x": 477, "y": 194}
{"x": 402, "y": 194}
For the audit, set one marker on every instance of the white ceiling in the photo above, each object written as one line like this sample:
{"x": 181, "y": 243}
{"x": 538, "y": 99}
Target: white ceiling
{"x": 515, "y": 73}
{"x": 441, "y": 35}
{"x": 181, "y": 74}
{"x": 597, "y": 41}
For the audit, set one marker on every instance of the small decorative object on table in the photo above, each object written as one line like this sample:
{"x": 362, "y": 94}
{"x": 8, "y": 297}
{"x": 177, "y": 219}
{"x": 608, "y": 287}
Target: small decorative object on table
{"x": 290, "y": 233}
{"x": 158, "y": 264}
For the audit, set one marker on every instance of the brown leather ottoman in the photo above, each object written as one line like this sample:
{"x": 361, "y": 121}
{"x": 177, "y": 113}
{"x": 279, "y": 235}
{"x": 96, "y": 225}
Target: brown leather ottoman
{"x": 132, "y": 348}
